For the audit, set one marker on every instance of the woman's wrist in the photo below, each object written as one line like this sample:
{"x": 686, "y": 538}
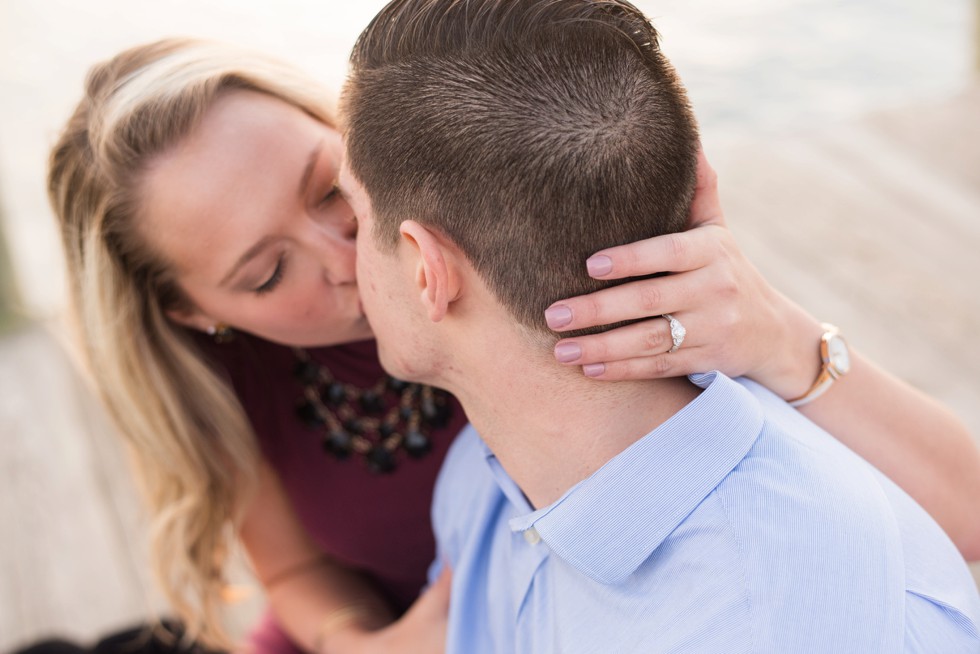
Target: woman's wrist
{"x": 792, "y": 362}
{"x": 344, "y": 630}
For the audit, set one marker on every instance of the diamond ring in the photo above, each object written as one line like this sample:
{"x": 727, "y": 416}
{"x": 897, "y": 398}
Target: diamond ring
{"x": 677, "y": 332}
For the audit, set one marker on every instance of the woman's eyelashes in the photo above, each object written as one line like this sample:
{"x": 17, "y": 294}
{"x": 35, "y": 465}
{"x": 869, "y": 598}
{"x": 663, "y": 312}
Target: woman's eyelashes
{"x": 276, "y": 277}
{"x": 332, "y": 194}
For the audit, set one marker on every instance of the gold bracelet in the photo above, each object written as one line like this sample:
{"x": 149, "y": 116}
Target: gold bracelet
{"x": 335, "y": 621}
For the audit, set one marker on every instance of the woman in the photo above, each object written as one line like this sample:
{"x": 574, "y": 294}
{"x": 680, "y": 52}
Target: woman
{"x": 211, "y": 267}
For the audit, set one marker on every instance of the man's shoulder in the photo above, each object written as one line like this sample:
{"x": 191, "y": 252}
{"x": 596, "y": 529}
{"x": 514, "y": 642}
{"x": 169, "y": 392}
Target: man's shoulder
{"x": 466, "y": 457}
{"x": 807, "y": 512}
{"x": 465, "y": 489}
{"x": 939, "y": 586}
{"x": 799, "y": 492}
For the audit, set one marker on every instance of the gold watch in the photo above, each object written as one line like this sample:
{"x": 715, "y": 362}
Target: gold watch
{"x": 835, "y": 363}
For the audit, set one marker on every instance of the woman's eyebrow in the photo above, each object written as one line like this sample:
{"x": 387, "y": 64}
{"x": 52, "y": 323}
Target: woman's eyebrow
{"x": 310, "y": 165}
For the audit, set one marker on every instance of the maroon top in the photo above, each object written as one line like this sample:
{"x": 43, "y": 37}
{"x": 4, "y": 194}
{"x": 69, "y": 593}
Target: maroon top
{"x": 375, "y": 523}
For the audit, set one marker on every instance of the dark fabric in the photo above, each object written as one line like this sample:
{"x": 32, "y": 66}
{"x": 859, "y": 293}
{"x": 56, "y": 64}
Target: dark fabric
{"x": 165, "y": 638}
{"x": 52, "y": 646}
{"x": 378, "y": 524}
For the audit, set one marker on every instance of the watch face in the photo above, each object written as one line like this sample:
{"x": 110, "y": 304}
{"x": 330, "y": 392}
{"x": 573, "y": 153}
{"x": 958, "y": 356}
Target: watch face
{"x": 839, "y": 357}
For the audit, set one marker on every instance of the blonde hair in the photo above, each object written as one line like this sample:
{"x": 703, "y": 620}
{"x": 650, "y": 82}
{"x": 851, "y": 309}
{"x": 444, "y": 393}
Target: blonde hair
{"x": 195, "y": 452}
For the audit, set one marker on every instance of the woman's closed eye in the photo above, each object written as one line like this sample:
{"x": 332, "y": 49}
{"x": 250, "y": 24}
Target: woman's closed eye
{"x": 276, "y": 277}
{"x": 332, "y": 194}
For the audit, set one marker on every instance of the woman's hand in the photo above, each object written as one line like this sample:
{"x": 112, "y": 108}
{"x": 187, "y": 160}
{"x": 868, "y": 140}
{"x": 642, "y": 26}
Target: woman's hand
{"x": 324, "y": 606}
{"x": 422, "y": 630}
{"x": 738, "y": 324}
{"x": 735, "y": 321}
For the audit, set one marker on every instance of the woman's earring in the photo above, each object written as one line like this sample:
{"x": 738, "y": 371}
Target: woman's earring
{"x": 221, "y": 333}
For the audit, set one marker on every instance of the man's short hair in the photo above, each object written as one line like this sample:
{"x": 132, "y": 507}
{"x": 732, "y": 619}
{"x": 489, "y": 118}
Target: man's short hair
{"x": 531, "y": 133}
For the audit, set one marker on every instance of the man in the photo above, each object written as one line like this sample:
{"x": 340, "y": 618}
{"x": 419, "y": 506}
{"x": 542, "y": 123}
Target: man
{"x": 492, "y": 145}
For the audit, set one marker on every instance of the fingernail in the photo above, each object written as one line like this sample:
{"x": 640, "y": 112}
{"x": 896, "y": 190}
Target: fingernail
{"x": 599, "y": 265}
{"x": 594, "y": 369}
{"x": 568, "y": 352}
{"x": 558, "y": 316}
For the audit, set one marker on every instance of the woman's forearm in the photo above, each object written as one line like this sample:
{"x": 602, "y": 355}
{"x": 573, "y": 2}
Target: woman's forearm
{"x": 334, "y": 611}
{"x": 326, "y": 608}
{"x": 317, "y": 601}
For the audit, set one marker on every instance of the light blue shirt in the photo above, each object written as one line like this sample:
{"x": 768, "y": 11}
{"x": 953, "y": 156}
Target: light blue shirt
{"x": 736, "y": 526}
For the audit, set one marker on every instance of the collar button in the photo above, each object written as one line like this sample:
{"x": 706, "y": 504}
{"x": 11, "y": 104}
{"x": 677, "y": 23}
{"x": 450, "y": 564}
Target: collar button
{"x": 532, "y": 536}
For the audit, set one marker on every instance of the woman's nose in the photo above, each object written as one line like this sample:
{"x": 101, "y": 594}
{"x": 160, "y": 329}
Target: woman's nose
{"x": 336, "y": 252}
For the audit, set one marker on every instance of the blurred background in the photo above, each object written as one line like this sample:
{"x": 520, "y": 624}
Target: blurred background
{"x": 847, "y": 139}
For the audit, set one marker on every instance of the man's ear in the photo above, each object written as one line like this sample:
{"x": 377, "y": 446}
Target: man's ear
{"x": 435, "y": 276}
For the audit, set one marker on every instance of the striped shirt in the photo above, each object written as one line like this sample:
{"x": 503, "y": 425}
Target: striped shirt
{"x": 736, "y": 526}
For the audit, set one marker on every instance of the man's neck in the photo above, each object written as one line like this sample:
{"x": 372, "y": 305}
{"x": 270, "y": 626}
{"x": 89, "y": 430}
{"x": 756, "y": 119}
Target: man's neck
{"x": 551, "y": 427}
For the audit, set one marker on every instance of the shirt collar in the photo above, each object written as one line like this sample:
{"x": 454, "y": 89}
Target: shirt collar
{"x": 611, "y": 522}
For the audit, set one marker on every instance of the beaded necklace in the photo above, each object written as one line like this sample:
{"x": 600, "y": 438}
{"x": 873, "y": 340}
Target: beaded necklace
{"x": 369, "y": 422}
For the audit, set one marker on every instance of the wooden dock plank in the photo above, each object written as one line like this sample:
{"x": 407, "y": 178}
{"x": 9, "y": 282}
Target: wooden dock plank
{"x": 874, "y": 239}
{"x": 67, "y": 566}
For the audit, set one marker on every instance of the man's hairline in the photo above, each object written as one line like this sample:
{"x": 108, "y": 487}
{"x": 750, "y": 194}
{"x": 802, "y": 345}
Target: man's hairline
{"x": 539, "y": 338}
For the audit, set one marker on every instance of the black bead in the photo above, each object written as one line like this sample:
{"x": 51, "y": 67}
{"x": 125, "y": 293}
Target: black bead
{"x": 406, "y": 412}
{"x": 417, "y": 444}
{"x": 385, "y": 430}
{"x": 306, "y": 372}
{"x": 397, "y": 385}
{"x": 372, "y": 403}
{"x": 308, "y": 415}
{"x": 338, "y": 442}
{"x": 334, "y": 393}
{"x": 428, "y": 409}
{"x": 354, "y": 425}
{"x": 436, "y": 414}
{"x": 380, "y": 460}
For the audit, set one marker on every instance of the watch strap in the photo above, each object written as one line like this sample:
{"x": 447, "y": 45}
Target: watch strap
{"x": 827, "y": 375}
{"x": 824, "y": 381}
